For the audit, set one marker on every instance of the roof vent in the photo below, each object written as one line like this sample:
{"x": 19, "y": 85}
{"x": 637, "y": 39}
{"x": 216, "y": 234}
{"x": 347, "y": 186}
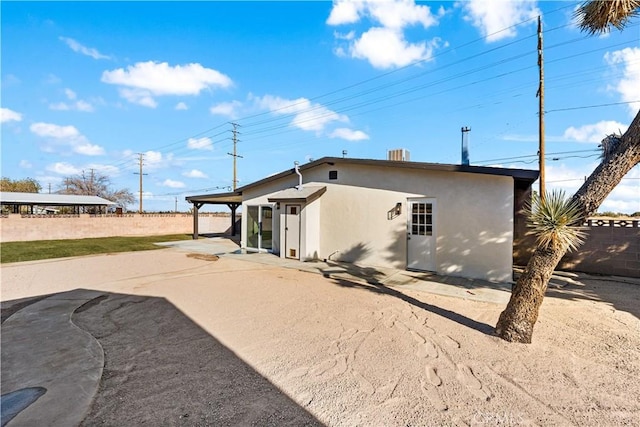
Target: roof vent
{"x": 398, "y": 155}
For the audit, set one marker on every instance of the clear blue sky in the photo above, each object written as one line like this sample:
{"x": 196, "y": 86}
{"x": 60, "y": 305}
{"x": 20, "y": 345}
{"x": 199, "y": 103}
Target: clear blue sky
{"x": 89, "y": 85}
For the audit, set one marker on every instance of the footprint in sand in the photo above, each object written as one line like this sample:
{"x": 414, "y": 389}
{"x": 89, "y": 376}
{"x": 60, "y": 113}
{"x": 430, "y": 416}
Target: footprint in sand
{"x": 366, "y": 387}
{"x": 331, "y": 368}
{"x": 417, "y": 337}
{"x": 333, "y": 348}
{"x": 384, "y": 393}
{"x": 390, "y": 321}
{"x": 432, "y": 376}
{"x": 305, "y": 398}
{"x": 450, "y": 342}
{"x": 468, "y": 379}
{"x": 323, "y": 367}
{"x": 433, "y": 396}
{"x": 298, "y": 372}
{"x": 428, "y": 349}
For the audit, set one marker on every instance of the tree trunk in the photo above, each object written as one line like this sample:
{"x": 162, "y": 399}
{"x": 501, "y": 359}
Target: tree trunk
{"x": 517, "y": 320}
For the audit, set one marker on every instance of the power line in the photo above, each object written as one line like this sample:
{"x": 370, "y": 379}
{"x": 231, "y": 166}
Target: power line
{"x": 584, "y": 107}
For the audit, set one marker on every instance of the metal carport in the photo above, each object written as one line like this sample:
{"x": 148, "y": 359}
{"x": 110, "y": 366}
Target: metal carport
{"x": 15, "y": 199}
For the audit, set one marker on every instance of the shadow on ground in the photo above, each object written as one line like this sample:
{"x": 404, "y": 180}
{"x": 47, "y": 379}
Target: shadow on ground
{"x": 163, "y": 369}
{"x": 371, "y": 282}
{"x": 621, "y": 293}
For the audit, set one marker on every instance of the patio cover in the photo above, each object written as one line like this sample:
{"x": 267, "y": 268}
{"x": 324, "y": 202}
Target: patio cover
{"x": 232, "y": 200}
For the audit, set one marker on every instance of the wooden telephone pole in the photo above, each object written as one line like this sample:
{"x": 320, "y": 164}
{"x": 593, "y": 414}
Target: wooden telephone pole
{"x": 541, "y": 110}
{"x": 235, "y": 154}
{"x": 141, "y": 163}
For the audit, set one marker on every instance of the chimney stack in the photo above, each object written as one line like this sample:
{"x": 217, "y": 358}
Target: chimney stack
{"x": 465, "y": 145}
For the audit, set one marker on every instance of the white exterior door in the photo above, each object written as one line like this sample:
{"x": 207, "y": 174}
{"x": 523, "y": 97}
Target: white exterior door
{"x": 421, "y": 234}
{"x": 292, "y": 231}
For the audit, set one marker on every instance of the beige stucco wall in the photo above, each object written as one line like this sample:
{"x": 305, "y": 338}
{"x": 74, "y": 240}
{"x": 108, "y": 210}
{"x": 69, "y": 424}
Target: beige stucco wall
{"x": 15, "y": 228}
{"x": 474, "y": 217}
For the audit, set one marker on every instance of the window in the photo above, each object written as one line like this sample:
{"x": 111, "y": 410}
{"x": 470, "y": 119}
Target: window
{"x": 421, "y": 219}
{"x": 333, "y": 174}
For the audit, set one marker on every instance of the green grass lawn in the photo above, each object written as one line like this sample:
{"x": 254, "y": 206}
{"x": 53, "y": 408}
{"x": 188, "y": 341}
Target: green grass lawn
{"x": 45, "y": 249}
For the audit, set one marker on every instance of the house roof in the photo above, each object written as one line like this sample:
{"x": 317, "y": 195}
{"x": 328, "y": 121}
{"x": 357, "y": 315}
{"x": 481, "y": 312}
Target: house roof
{"x": 44, "y": 199}
{"x": 520, "y": 174}
{"x": 302, "y": 195}
{"x": 524, "y": 175}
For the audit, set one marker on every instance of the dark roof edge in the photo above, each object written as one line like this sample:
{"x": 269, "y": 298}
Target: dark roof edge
{"x": 213, "y": 195}
{"x": 519, "y": 174}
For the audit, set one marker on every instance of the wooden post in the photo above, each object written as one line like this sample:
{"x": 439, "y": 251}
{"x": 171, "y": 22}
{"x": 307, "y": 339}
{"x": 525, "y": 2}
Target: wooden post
{"x": 233, "y": 207}
{"x": 196, "y": 206}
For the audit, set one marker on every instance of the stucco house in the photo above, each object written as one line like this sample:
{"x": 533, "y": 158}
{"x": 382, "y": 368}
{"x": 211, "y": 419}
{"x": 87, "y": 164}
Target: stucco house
{"x": 451, "y": 219}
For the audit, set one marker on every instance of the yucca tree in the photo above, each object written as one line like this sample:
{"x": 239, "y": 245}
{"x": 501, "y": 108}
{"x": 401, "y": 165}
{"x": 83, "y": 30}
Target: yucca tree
{"x": 516, "y": 322}
{"x": 556, "y": 222}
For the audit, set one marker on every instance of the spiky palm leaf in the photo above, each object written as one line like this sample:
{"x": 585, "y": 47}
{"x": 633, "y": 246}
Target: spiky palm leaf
{"x": 596, "y": 16}
{"x": 555, "y": 221}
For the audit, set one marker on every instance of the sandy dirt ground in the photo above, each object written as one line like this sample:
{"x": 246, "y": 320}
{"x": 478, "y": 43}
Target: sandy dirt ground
{"x": 356, "y": 354}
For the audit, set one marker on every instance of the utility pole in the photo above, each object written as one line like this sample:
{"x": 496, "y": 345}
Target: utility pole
{"x": 541, "y": 110}
{"x": 176, "y": 209}
{"x": 140, "y": 163}
{"x": 92, "y": 187}
{"x": 49, "y": 188}
{"x": 235, "y": 154}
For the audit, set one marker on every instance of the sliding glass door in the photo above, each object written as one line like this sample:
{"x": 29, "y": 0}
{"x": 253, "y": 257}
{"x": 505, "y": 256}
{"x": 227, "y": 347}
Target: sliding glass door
{"x": 260, "y": 227}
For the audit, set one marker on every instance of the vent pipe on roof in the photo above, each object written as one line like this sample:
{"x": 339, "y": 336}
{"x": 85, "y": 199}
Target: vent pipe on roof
{"x": 465, "y": 145}
{"x": 297, "y": 169}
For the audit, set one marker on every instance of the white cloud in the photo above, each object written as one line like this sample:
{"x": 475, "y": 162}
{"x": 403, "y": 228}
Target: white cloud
{"x": 137, "y": 96}
{"x": 396, "y": 14}
{"x": 594, "y": 132}
{"x": 70, "y": 94}
{"x": 200, "y": 143}
{"x": 348, "y": 36}
{"x": 108, "y": 170}
{"x": 7, "y": 115}
{"x": 88, "y": 149}
{"x": 629, "y": 85}
{"x": 495, "y": 19}
{"x": 349, "y": 134}
{"x": 345, "y": 12}
{"x": 77, "y": 106}
{"x": 227, "y": 109}
{"x": 181, "y": 106}
{"x": 63, "y": 168}
{"x": 384, "y": 45}
{"x": 401, "y": 14}
{"x": 173, "y": 184}
{"x": 144, "y": 80}
{"x": 25, "y": 164}
{"x": 195, "y": 173}
{"x": 156, "y": 160}
{"x": 306, "y": 115}
{"x": 55, "y": 131}
{"x": 386, "y": 48}
{"x": 66, "y": 135}
{"x": 79, "y": 48}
